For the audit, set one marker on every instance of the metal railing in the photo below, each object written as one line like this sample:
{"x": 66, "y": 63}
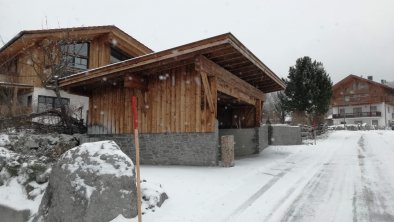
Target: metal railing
{"x": 357, "y": 114}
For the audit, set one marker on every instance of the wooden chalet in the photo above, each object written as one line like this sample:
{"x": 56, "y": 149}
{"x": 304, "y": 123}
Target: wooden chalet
{"x": 183, "y": 89}
{"x": 357, "y": 100}
{"x": 99, "y": 46}
{"x": 186, "y": 95}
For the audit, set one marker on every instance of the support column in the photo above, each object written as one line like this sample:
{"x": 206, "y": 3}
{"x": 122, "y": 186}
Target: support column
{"x": 258, "y": 108}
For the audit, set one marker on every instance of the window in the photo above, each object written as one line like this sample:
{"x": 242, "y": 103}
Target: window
{"x": 29, "y": 101}
{"x": 49, "y": 102}
{"x": 342, "y": 112}
{"x": 357, "y": 110}
{"x": 76, "y": 55}
{"x": 375, "y": 122}
{"x": 117, "y": 56}
{"x": 374, "y": 108}
{"x": 358, "y": 122}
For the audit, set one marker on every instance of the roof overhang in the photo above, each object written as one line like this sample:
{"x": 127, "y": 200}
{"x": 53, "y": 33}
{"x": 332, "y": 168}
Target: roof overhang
{"x": 225, "y": 50}
{"x": 26, "y": 39}
{"x": 19, "y": 85}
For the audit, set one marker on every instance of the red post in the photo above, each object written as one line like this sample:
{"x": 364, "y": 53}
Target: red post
{"x": 137, "y": 155}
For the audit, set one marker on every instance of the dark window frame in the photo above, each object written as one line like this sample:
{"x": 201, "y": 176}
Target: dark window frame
{"x": 50, "y": 102}
{"x": 73, "y": 58}
{"x": 117, "y": 55}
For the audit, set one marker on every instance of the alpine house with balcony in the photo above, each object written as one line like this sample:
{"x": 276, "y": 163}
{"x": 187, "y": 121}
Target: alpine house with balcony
{"x": 356, "y": 100}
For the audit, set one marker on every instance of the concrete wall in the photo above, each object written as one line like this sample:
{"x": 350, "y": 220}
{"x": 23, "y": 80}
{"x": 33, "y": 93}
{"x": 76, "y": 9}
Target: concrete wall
{"x": 246, "y": 141}
{"x": 10, "y": 215}
{"x": 263, "y": 137}
{"x": 286, "y": 135}
{"x": 76, "y": 101}
{"x": 197, "y": 149}
{"x": 249, "y": 140}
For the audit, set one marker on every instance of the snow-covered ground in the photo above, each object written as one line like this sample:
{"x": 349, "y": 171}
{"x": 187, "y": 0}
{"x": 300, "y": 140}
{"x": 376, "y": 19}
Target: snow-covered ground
{"x": 345, "y": 177}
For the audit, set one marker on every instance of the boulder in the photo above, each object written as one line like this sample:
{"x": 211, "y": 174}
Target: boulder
{"x": 91, "y": 182}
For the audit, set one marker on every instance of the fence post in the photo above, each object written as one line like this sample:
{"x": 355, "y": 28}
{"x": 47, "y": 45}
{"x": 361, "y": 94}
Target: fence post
{"x": 227, "y": 148}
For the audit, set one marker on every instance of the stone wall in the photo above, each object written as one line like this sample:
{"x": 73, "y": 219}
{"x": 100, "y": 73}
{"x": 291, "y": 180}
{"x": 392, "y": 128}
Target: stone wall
{"x": 249, "y": 140}
{"x": 245, "y": 140}
{"x": 197, "y": 149}
{"x": 286, "y": 135}
{"x": 262, "y": 134}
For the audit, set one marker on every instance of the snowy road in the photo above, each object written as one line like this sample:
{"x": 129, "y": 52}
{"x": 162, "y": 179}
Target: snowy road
{"x": 348, "y": 176}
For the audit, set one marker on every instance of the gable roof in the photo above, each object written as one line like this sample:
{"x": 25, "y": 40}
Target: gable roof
{"x": 354, "y": 77}
{"x": 27, "y": 38}
{"x": 225, "y": 50}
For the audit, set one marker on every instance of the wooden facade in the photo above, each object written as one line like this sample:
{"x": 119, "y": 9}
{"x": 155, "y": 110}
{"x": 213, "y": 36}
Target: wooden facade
{"x": 197, "y": 87}
{"x": 354, "y": 90}
{"x": 173, "y": 101}
{"x": 22, "y": 58}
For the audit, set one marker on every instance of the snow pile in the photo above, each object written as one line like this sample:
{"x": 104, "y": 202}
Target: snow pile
{"x": 153, "y": 195}
{"x": 22, "y": 180}
{"x": 4, "y": 140}
{"x": 102, "y": 158}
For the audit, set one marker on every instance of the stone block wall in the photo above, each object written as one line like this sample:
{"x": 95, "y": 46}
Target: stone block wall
{"x": 286, "y": 135}
{"x": 262, "y": 133}
{"x": 246, "y": 140}
{"x": 196, "y": 149}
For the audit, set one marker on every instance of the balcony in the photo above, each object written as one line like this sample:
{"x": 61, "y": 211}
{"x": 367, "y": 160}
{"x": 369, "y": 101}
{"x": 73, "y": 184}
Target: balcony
{"x": 357, "y": 115}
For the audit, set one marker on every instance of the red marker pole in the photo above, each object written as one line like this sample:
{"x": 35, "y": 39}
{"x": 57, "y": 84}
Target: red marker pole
{"x": 137, "y": 155}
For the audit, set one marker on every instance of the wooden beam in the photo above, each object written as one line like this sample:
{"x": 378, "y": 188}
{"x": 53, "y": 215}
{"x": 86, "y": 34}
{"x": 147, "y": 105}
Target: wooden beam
{"x": 207, "y": 90}
{"x": 133, "y": 81}
{"x": 234, "y": 92}
{"x": 205, "y": 65}
{"x": 170, "y": 54}
{"x": 258, "y": 109}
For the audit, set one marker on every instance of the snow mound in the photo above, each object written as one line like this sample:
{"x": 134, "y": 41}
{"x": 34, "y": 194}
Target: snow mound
{"x": 153, "y": 195}
{"x": 102, "y": 158}
{"x": 4, "y": 140}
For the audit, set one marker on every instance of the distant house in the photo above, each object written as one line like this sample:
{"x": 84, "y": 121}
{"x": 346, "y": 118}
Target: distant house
{"x": 357, "y": 100}
{"x": 187, "y": 96}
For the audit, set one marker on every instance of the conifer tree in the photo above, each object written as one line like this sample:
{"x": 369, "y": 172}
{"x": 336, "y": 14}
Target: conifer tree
{"x": 308, "y": 90}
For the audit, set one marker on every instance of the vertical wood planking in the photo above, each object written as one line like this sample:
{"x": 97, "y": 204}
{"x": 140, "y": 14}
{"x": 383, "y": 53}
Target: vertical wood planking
{"x": 182, "y": 85}
{"x": 173, "y": 102}
{"x": 198, "y": 101}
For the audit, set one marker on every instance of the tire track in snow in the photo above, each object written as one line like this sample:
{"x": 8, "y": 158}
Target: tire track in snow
{"x": 321, "y": 198}
{"x": 313, "y": 170}
{"x": 372, "y": 196}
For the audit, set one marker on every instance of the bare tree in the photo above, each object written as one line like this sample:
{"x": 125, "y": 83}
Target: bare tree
{"x": 279, "y": 106}
{"x": 50, "y": 63}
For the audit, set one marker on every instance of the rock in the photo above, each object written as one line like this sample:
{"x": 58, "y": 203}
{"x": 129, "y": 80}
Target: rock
{"x": 91, "y": 182}
{"x": 44, "y": 177}
{"x": 31, "y": 144}
{"x": 153, "y": 196}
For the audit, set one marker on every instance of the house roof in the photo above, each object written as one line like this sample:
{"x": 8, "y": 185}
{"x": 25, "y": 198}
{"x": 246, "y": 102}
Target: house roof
{"x": 351, "y": 76}
{"x": 27, "y": 38}
{"x": 225, "y": 50}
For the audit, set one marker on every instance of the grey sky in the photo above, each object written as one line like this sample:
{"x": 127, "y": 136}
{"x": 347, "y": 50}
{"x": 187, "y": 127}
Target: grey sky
{"x": 348, "y": 36}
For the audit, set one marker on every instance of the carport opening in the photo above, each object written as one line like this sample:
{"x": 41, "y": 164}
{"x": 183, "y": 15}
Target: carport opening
{"x": 237, "y": 118}
{"x": 233, "y": 113}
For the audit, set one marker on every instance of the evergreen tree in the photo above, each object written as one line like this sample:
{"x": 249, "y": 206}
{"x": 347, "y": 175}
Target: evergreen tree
{"x": 308, "y": 88}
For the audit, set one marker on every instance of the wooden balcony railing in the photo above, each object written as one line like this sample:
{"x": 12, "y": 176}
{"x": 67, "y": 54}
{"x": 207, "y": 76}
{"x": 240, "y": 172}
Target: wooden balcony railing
{"x": 356, "y": 115}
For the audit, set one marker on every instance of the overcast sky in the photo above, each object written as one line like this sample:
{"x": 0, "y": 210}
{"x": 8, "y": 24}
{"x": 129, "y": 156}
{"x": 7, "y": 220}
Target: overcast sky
{"x": 348, "y": 36}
